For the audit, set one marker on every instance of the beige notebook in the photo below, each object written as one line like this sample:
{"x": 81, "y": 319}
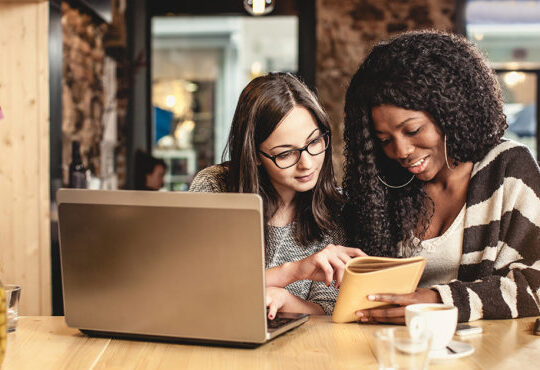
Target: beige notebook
{"x": 371, "y": 275}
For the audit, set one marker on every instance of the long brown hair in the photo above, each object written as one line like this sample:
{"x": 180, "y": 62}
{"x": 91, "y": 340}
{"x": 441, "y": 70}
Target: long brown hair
{"x": 261, "y": 106}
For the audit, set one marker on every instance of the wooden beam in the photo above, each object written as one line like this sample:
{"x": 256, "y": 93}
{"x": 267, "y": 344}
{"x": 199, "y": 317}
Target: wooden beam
{"x": 24, "y": 153}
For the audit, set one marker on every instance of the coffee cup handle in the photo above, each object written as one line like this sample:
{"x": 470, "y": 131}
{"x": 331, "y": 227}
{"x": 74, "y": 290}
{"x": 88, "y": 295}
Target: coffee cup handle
{"x": 417, "y": 326}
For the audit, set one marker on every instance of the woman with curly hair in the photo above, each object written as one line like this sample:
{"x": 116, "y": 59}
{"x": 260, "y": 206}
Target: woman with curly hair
{"x": 428, "y": 173}
{"x": 279, "y": 148}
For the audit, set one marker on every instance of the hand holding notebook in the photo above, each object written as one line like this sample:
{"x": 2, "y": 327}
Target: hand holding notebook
{"x": 372, "y": 275}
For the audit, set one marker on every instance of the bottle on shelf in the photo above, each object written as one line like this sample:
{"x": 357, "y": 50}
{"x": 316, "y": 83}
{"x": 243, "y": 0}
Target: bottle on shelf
{"x": 77, "y": 172}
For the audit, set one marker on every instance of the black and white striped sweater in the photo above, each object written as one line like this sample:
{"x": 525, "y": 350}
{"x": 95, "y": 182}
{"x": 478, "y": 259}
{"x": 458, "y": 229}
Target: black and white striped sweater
{"x": 499, "y": 273}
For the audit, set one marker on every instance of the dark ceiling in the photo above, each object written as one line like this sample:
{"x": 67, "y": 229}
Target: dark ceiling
{"x": 214, "y": 7}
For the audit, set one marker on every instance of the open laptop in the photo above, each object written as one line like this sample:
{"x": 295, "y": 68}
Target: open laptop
{"x": 186, "y": 266}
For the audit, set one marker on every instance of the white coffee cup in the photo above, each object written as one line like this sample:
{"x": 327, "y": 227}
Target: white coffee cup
{"x": 438, "y": 318}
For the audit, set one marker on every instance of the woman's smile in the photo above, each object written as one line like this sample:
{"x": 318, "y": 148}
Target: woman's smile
{"x": 418, "y": 166}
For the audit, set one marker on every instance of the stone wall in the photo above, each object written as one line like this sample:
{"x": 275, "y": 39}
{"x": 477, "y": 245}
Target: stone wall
{"x": 83, "y": 97}
{"x": 347, "y": 29}
{"x": 86, "y": 91}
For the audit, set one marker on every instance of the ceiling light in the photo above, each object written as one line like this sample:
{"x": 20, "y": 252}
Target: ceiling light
{"x": 513, "y": 78}
{"x": 170, "y": 101}
{"x": 259, "y": 7}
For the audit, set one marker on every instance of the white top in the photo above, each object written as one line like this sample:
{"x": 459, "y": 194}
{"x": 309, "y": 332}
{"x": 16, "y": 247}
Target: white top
{"x": 443, "y": 254}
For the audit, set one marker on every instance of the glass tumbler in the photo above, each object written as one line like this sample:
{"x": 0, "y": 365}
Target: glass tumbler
{"x": 395, "y": 348}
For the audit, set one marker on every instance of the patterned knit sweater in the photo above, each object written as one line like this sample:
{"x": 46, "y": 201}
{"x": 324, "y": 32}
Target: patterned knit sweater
{"x": 499, "y": 273}
{"x": 281, "y": 245}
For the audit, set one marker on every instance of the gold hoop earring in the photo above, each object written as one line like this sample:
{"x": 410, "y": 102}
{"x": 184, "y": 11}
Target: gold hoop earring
{"x": 396, "y": 186}
{"x": 446, "y": 157}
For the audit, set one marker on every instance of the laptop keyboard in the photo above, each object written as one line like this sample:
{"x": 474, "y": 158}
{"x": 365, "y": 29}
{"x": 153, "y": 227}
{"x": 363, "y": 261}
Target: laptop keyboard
{"x": 277, "y": 323}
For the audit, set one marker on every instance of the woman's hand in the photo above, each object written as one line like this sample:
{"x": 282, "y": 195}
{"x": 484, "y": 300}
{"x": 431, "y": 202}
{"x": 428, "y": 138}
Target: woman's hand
{"x": 326, "y": 265}
{"x": 276, "y": 299}
{"x": 396, "y": 314}
{"x": 280, "y": 299}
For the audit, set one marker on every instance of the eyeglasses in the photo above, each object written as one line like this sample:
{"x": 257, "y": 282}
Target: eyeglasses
{"x": 291, "y": 157}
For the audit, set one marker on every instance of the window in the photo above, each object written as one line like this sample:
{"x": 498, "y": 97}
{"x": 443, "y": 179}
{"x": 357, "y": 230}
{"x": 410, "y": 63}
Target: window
{"x": 509, "y": 33}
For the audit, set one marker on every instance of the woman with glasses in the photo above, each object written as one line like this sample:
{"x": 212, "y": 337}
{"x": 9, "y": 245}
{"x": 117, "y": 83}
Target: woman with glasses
{"x": 279, "y": 147}
{"x": 428, "y": 173}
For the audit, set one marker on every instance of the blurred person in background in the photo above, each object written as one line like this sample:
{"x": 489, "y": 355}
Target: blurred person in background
{"x": 149, "y": 171}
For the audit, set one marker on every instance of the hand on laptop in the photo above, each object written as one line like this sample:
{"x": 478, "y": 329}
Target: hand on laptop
{"x": 281, "y": 300}
{"x": 326, "y": 265}
{"x": 275, "y": 300}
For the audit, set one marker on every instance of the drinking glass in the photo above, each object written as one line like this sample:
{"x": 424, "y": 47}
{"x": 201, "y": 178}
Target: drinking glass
{"x": 397, "y": 349}
{"x": 13, "y": 294}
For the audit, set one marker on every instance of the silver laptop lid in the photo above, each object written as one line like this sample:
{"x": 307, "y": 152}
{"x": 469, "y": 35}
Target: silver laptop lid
{"x": 188, "y": 265}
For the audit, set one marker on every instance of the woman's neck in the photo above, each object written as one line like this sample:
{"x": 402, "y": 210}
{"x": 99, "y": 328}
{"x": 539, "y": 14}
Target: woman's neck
{"x": 448, "y": 194}
{"x": 448, "y": 178}
{"x": 284, "y": 214}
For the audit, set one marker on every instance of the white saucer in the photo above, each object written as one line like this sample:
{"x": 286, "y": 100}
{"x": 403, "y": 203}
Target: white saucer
{"x": 462, "y": 349}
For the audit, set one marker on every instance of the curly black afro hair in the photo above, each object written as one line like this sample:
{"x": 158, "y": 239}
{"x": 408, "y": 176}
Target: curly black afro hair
{"x": 438, "y": 73}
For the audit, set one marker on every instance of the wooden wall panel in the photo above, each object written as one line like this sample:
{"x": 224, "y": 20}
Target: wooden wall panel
{"x": 24, "y": 153}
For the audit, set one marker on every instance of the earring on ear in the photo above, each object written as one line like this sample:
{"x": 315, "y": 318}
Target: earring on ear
{"x": 446, "y": 157}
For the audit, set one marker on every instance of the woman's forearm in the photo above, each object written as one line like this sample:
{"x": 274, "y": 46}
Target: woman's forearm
{"x": 299, "y": 305}
{"x": 282, "y": 275}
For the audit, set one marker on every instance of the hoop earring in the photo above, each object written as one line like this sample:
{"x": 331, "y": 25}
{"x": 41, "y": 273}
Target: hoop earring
{"x": 446, "y": 157}
{"x": 394, "y": 186}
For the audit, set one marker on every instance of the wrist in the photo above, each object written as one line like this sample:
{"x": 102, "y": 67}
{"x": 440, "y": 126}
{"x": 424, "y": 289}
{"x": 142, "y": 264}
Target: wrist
{"x": 286, "y": 300}
{"x": 292, "y": 303}
{"x": 295, "y": 271}
{"x": 437, "y": 296}
{"x": 282, "y": 275}
{"x": 291, "y": 272}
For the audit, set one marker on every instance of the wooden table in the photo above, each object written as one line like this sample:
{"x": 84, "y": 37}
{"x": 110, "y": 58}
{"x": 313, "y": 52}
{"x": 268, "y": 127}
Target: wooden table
{"x": 47, "y": 343}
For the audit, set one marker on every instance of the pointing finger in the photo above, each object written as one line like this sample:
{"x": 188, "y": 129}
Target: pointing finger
{"x": 272, "y": 310}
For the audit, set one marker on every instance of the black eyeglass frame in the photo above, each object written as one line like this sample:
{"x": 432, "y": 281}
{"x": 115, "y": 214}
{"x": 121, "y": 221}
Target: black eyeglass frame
{"x": 325, "y": 134}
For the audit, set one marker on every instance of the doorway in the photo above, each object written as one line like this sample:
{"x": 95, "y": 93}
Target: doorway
{"x": 200, "y": 65}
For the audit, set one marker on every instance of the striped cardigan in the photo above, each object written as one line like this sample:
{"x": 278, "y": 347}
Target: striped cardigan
{"x": 499, "y": 272}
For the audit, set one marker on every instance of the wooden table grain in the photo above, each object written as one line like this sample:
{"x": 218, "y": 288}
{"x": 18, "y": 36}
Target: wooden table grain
{"x": 43, "y": 342}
